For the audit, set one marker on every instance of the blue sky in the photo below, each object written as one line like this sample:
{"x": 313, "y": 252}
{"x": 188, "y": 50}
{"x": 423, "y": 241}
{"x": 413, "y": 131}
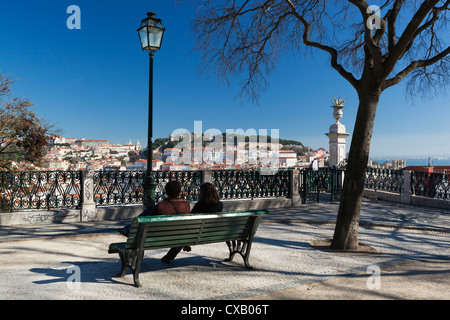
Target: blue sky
{"x": 93, "y": 82}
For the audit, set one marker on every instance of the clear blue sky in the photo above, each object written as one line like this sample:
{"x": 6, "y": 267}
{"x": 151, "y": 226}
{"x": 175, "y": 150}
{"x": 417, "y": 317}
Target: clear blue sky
{"x": 93, "y": 82}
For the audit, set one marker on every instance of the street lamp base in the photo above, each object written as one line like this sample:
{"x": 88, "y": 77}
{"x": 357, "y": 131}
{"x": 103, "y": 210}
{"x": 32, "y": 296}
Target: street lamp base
{"x": 149, "y": 193}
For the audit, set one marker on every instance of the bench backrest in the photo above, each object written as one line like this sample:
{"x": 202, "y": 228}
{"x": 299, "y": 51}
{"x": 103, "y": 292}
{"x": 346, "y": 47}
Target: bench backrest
{"x": 192, "y": 229}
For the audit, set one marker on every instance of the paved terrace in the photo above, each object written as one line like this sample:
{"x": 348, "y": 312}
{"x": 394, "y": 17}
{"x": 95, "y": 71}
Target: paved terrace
{"x": 412, "y": 251}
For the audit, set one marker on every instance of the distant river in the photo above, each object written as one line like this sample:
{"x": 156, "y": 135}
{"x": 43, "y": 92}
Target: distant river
{"x": 419, "y": 162}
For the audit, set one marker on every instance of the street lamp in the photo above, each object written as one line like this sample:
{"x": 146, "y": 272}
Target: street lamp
{"x": 151, "y": 34}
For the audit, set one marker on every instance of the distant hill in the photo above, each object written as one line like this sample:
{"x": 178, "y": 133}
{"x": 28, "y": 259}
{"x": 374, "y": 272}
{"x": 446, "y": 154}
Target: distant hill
{"x": 160, "y": 144}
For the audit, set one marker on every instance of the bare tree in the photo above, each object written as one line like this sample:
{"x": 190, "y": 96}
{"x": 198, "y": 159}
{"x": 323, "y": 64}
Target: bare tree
{"x": 372, "y": 51}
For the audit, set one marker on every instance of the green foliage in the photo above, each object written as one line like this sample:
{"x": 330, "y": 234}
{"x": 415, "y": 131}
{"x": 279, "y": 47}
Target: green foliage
{"x": 23, "y": 136}
{"x": 291, "y": 142}
{"x": 296, "y": 146}
{"x": 338, "y": 101}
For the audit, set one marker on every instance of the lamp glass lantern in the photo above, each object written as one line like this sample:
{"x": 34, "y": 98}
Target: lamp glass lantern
{"x": 151, "y": 32}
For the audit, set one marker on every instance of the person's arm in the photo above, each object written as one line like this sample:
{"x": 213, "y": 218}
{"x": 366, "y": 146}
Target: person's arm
{"x": 148, "y": 211}
{"x": 156, "y": 211}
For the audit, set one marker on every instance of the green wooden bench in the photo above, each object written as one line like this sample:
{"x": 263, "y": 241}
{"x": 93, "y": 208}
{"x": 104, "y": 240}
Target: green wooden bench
{"x": 237, "y": 229}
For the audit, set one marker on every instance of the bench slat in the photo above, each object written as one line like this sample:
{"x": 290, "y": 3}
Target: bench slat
{"x": 211, "y": 234}
{"x": 151, "y": 236}
{"x": 152, "y": 231}
{"x": 159, "y": 228}
{"x": 157, "y": 234}
{"x": 205, "y": 216}
{"x": 187, "y": 223}
{"x": 192, "y": 241}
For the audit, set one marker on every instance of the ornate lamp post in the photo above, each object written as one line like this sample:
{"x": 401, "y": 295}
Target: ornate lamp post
{"x": 151, "y": 33}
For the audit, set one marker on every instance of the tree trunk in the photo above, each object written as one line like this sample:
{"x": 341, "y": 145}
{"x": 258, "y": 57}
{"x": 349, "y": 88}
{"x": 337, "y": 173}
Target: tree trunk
{"x": 347, "y": 223}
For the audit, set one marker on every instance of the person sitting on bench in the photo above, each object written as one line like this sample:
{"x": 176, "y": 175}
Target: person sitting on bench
{"x": 173, "y": 204}
{"x": 209, "y": 202}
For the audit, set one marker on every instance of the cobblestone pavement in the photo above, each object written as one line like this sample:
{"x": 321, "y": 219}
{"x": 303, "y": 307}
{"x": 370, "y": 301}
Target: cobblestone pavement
{"x": 70, "y": 261}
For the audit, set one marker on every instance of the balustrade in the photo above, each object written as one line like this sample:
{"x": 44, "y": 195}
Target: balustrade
{"x": 24, "y": 190}
{"x": 63, "y": 189}
{"x": 430, "y": 185}
{"x": 46, "y": 190}
{"x": 384, "y": 180}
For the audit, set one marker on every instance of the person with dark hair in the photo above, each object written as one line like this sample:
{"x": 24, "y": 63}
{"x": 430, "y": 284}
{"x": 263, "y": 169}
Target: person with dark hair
{"x": 209, "y": 202}
{"x": 173, "y": 204}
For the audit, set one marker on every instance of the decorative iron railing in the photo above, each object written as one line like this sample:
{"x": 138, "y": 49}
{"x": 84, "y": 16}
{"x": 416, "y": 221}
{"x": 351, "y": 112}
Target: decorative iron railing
{"x": 62, "y": 189}
{"x": 250, "y": 184}
{"x": 330, "y": 181}
{"x": 384, "y": 180}
{"x": 431, "y": 185}
{"x": 190, "y": 183}
{"x": 324, "y": 180}
{"x": 126, "y": 187}
{"x": 118, "y": 187}
{"x": 24, "y": 190}
{"x": 28, "y": 190}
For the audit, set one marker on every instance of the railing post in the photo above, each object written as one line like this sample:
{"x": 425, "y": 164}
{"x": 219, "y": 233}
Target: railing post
{"x": 406, "y": 187}
{"x": 301, "y": 182}
{"x": 88, "y": 207}
{"x": 294, "y": 180}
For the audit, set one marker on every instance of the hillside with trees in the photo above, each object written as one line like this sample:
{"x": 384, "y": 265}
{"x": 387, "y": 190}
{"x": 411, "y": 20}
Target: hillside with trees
{"x": 160, "y": 144}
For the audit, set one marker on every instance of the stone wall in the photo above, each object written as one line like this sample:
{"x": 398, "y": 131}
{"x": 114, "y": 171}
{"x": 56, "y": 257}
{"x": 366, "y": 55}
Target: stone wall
{"x": 122, "y": 212}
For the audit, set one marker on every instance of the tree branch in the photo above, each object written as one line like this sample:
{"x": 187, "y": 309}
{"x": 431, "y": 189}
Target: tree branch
{"x": 373, "y": 53}
{"x": 408, "y": 36}
{"x": 391, "y": 20}
{"x": 333, "y": 52}
{"x": 414, "y": 65}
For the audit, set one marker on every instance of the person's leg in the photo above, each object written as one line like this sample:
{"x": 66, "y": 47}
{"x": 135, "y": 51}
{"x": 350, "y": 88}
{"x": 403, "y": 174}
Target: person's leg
{"x": 125, "y": 230}
{"x": 173, "y": 252}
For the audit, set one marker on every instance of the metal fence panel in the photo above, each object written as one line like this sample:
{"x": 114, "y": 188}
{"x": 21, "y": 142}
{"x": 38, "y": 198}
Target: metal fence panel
{"x": 24, "y": 190}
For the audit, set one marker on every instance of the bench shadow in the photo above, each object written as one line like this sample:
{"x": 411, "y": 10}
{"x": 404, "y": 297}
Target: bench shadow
{"x": 85, "y": 272}
{"x": 107, "y": 271}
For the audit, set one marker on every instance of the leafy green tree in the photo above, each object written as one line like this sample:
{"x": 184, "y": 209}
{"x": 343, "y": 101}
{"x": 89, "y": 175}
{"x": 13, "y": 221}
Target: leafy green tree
{"x": 133, "y": 155}
{"x": 23, "y": 136}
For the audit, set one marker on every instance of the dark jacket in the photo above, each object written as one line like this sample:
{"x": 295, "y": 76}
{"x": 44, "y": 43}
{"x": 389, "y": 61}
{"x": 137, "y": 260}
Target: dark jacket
{"x": 204, "y": 208}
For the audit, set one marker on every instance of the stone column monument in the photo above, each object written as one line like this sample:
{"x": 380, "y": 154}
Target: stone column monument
{"x": 337, "y": 136}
